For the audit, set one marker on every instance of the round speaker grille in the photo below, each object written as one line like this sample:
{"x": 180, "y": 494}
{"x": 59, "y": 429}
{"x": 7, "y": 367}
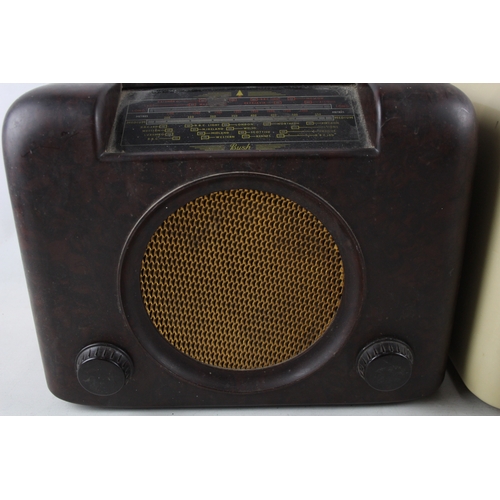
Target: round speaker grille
{"x": 242, "y": 279}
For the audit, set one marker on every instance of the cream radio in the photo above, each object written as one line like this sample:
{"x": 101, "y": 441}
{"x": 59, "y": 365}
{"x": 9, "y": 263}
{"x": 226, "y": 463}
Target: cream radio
{"x": 475, "y": 348}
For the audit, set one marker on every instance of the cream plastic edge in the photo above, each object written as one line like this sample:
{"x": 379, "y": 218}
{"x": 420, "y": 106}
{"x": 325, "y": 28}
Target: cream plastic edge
{"x": 476, "y": 352}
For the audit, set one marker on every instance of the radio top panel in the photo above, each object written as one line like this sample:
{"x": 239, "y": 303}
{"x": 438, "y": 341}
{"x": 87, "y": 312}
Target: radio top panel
{"x": 240, "y": 118}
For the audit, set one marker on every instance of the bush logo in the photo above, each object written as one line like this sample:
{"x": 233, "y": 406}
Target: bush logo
{"x": 239, "y": 147}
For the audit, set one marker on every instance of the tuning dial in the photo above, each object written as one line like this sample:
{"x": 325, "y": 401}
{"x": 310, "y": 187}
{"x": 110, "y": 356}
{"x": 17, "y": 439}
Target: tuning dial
{"x": 386, "y": 364}
{"x": 103, "y": 369}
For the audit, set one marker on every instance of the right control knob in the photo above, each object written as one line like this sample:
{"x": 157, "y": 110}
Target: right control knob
{"x": 386, "y": 364}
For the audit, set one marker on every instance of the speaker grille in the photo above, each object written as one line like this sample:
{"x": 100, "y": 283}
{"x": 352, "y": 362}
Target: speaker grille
{"x": 242, "y": 279}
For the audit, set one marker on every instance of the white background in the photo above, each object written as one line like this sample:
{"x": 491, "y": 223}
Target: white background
{"x": 302, "y": 457}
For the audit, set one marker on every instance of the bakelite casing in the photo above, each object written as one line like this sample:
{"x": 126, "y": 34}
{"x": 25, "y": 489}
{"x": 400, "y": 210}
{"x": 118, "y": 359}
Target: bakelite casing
{"x": 396, "y": 202}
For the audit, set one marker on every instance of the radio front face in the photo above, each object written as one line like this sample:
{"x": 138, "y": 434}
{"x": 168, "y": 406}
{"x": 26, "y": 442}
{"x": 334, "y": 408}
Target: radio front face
{"x": 241, "y": 246}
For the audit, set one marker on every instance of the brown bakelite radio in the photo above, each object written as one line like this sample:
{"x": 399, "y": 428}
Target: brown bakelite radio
{"x": 241, "y": 245}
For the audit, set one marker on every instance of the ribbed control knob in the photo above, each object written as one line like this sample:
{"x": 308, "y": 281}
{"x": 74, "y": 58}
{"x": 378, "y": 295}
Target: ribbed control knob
{"x": 386, "y": 364}
{"x": 103, "y": 369}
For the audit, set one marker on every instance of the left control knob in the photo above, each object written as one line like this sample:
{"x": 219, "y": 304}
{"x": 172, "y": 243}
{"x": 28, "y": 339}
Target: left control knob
{"x": 103, "y": 369}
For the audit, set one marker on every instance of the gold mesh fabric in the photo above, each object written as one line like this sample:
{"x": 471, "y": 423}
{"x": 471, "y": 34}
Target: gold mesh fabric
{"x": 242, "y": 279}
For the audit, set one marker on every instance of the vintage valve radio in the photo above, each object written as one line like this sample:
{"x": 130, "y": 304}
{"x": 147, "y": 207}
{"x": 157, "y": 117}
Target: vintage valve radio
{"x": 241, "y": 245}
